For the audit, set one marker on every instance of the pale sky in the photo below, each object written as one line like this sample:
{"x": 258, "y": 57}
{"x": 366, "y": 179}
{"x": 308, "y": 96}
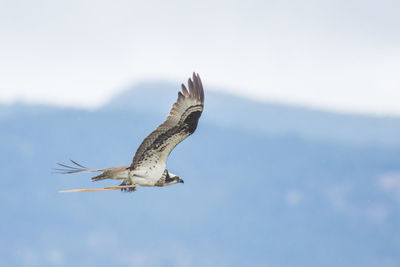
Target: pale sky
{"x": 339, "y": 55}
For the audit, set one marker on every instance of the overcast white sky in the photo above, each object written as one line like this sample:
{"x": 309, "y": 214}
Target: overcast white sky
{"x": 342, "y": 55}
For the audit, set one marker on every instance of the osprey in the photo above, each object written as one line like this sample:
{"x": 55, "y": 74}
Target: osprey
{"x": 149, "y": 165}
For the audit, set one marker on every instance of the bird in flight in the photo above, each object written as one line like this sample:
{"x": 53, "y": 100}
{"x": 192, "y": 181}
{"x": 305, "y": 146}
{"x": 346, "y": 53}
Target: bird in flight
{"x": 149, "y": 165}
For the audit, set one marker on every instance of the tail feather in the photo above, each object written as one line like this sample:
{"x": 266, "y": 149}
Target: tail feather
{"x": 116, "y": 173}
{"x": 119, "y": 172}
{"x": 75, "y": 168}
{"x": 100, "y": 177}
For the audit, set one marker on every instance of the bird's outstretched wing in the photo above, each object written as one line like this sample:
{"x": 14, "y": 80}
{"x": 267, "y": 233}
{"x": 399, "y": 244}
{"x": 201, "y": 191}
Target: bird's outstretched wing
{"x": 181, "y": 122}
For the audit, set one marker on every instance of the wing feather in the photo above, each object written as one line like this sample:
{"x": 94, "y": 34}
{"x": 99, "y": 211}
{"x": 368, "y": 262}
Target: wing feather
{"x": 180, "y": 123}
{"x": 185, "y": 91}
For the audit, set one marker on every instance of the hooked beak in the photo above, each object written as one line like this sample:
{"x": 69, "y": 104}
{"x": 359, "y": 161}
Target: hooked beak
{"x": 181, "y": 181}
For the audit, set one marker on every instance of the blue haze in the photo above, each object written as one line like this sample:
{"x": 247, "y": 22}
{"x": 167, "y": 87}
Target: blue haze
{"x": 265, "y": 185}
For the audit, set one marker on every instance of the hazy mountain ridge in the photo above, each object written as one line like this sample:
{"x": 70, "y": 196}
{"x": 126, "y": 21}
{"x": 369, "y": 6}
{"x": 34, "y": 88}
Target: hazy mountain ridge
{"x": 266, "y": 118}
{"x": 251, "y": 197}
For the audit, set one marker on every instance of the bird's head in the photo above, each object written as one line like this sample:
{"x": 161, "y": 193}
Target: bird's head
{"x": 173, "y": 179}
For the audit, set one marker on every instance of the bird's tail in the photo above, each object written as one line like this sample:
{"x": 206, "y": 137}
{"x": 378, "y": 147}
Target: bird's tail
{"x": 116, "y": 173}
{"x": 119, "y": 172}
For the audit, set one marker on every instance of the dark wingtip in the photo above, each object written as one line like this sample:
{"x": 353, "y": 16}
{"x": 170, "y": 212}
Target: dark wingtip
{"x": 195, "y": 88}
{"x": 198, "y": 86}
{"x": 191, "y": 86}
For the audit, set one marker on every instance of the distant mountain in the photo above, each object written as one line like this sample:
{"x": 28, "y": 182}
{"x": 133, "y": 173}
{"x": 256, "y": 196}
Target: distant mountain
{"x": 266, "y": 118}
{"x": 265, "y": 185}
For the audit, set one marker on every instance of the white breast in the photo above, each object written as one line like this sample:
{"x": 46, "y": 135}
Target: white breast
{"x": 148, "y": 174}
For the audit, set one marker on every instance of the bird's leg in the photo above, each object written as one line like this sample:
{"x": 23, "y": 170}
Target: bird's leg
{"x": 131, "y": 187}
{"x": 127, "y": 185}
{"x": 123, "y": 184}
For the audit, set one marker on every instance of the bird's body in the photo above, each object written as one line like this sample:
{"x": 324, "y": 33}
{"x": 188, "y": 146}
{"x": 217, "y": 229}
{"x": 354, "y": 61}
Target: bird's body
{"x": 149, "y": 165}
